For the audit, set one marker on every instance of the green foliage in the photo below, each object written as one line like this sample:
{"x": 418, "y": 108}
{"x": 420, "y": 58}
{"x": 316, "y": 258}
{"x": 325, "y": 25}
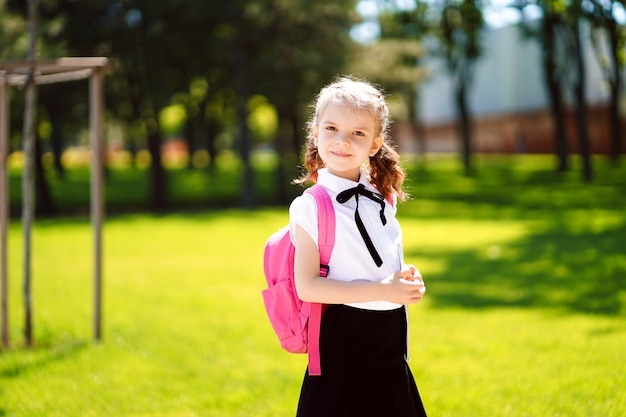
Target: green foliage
{"x": 262, "y": 120}
{"x": 172, "y": 119}
{"x": 523, "y": 316}
{"x": 459, "y": 32}
{"x": 189, "y": 69}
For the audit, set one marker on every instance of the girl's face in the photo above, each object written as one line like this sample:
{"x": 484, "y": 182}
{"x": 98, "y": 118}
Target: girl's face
{"x": 345, "y": 139}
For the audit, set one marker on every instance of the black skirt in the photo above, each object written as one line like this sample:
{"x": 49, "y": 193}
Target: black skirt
{"x": 364, "y": 371}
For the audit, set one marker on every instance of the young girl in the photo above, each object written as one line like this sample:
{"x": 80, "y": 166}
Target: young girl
{"x": 363, "y": 339}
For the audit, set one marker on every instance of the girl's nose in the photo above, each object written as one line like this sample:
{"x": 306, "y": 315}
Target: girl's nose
{"x": 342, "y": 138}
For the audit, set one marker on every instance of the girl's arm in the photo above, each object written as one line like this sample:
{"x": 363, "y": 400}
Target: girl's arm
{"x": 313, "y": 288}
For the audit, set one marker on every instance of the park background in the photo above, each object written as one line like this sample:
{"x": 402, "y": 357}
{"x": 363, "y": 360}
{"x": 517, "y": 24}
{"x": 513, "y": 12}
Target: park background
{"x": 516, "y": 218}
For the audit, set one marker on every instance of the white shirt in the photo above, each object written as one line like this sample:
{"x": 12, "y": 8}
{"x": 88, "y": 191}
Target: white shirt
{"x": 350, "y": 260}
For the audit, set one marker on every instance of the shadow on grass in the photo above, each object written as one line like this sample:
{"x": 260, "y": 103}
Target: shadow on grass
{"x": 505, "y": 190}
{"x": 40, "y": 356}
{"x": 558, "y": 267}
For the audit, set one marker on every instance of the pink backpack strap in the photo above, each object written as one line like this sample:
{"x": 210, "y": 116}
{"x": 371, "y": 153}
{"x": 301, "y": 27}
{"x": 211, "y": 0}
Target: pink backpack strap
{"x": 326, "y": 242}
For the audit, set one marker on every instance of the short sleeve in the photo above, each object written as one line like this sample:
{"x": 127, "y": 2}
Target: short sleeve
{"x": 303, "y": 212}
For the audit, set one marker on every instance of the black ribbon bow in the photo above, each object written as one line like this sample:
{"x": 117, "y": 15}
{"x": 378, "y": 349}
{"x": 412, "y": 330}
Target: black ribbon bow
{"x": 360, "y": 189}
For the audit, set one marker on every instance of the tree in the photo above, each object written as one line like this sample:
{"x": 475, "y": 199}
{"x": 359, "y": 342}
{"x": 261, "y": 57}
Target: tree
{"x": 301, "y": 56}
{"x": 550, "y": 32}
{"x": 394, "y": 64}
{"x": 396, "y": 58}
{"x": 28, "y": 207}
{"x": 456, "y": 25}
{"x": 144, "y": 41}
{"x": 611, "y": 60}
{"x": 459, "y": 32}
{"x": 575, "y": 17}
{"x": 239, "y": 48}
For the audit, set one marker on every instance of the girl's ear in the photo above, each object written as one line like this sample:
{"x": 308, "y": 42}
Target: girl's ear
{"x": 315, "y": 134}
{"x": 376, "y": 145}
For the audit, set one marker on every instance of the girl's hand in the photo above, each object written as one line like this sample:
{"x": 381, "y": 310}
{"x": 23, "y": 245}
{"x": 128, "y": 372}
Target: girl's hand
{"x": 415, "y": 274}
{"x": 405, "y": 286}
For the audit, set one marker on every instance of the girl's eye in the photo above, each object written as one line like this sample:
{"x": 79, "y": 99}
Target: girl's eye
{"x": 359, "y": 133}
{"x": 331, "y": 128}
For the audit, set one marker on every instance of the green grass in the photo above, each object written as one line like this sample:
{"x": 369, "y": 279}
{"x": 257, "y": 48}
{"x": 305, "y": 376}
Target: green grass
{"x": 524, "y": 313}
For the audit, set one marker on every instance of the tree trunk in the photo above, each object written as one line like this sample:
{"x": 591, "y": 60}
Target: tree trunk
{"x": 28, "y": 181}
{"x": 465, "y": 129}
{"x": 580, "y": 99}
{"x": 554, "y": 93}
{"x": 616, "y": 86}
{"x": 44, "y": 204}
{"x": 4, "y": 215}
{"x": 247, "y": 193}
{"x": 560, "y": 136}
{"x": 135, "y": 103}
{"x": 28, "y": 204}
{"x": 158, "y": 186}
{"x": 209, "y": 128}
{"x": 189, "y": 135}
{"x": 282, "y": 145}
{"x": 56, "y": 139}
{"x": 296, "y": 134}
{"x": 211, "y": 133}
{"x": 414, "y": 120}
{"x": 243, "y": 94}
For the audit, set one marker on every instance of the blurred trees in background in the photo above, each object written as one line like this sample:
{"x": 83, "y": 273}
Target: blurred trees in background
{"x": 551, "y": 35}
{"x": 213, "y": 59}
{"x": 237, "y": 74}
{"x": 612, "y": 59}
{"x": 459, "y": 34}
{"x": 453, "y": 30}
{"x": 561, "y": 36}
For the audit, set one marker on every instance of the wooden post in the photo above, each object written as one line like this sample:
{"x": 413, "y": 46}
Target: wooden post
{"x": 4, "y": 207}
{"x": 28, "y": 178}
{"x": 97, "y": 191}
{"x": 30, "y": 73}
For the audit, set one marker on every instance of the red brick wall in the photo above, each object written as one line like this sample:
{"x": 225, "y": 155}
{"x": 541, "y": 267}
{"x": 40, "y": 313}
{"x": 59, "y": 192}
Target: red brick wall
{"x": 530, "y": 132}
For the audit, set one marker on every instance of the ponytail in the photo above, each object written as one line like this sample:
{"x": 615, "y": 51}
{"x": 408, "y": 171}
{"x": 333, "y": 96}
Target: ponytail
{"x": 386, "y": 173}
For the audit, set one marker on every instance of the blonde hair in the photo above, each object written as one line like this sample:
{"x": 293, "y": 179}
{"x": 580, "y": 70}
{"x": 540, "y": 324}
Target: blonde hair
{"x": 384, "y": 169}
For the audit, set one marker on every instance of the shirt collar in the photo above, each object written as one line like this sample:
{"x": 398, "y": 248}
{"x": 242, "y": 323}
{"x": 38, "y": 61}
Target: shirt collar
{"x": 338, "y": 184}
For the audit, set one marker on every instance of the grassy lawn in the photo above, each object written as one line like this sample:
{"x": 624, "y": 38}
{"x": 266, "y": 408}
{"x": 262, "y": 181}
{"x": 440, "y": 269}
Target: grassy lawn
{"x": 524, "y": 315}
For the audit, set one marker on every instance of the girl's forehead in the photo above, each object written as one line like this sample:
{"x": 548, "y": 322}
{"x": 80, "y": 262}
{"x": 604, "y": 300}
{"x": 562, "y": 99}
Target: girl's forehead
{"x": 335, "y": 111}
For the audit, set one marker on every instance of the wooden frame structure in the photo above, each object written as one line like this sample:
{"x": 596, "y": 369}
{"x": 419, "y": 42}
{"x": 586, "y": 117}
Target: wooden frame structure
{"x": 48, "y": 72}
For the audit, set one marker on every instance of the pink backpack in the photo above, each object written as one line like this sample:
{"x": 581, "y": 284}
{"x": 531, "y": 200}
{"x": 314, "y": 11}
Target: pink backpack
{"x": 297, "y": 323}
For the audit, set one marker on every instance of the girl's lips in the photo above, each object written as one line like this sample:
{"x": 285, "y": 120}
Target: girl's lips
{"x": 341, "y": 154}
